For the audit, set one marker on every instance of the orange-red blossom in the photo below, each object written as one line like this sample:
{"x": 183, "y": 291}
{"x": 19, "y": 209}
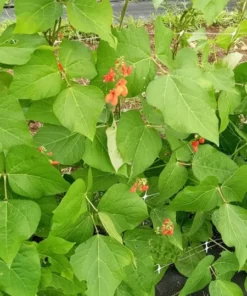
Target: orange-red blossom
{"x": 167, "y": 227}
{"x": 121, "y": 89}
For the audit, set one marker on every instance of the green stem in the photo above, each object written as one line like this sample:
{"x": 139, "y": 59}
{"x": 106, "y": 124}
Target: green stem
{"x": 221, "y": 194}
{"x": 91, "y": 204}
{"x": 5, "y": 187}
{"x": 156, "y": 167}
{"x": 237, "y": 150}
{"x": 184, "y": 163}
{"x": 123, "y": 13}
{"x": 95, "y": 226}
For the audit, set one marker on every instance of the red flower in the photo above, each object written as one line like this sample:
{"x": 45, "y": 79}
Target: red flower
{"x": 122, "y": 88}
{"x": 126, "y": 71}
{"x": 49, "y": 153}
{"x": 144, "y": 188}
{"x": 112, "y": 97}
{"x": 54, "y": 162}
{"x": 60, "y": 67}
{"x": 41, "y": 149}
{"x": 133, "y": 188}
{"x": 167, "y": 227}
{"x": 110, "y": 77}
{"x": 202, "y": 140}
{"x": 195, "y": 145}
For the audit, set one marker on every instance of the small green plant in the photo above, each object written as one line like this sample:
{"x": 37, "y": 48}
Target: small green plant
{"x": 101, "y": 198}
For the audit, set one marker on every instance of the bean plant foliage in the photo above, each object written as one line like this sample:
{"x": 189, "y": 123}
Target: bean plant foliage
{"x": 107, "y": 194}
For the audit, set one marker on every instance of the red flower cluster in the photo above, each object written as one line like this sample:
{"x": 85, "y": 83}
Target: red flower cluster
{"x": 140, "y": 184}
{"x": 195, "y": 144}
{"x": 44, "y": 151}
{"x": 167, "y": 227}
{"x": 110, "y": 77}
{"x": 60, "y": 67}
{"x": 121, "y": 69}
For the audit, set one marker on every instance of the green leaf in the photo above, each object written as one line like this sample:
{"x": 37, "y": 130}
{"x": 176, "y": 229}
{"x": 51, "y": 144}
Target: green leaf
{"x": 231, "y": 222}
{"x": 78, "y": 108}
{"x": 163, "y": 40}
{"x": 17, "y": 49}
{"x": 66, "y": 147}
{"x": 227, "y": 103}
{"x": 77, "y": 60}
{"x": 187, "y": 263}
{"x": 42, "y": 111}
{"x": 158, "y": 215}
{"x": 134, "y": 46}
{"x": 211, "y": 162}
{"x": 2, "y": 2}
{"x": 14, "y": 130}
{"x": 96, "y": 153}
{"x": 38, "y": 79}
{"x": 106, "y": 59}
{"x": 88, "y": 16}
{"x": 56, "y": 245}
{"x": 226, "y": 266}
{"x": 127, "y": 210}
{"x": 37, "y": 16}
{"x": 221, "y": 78}
{"x": 30, "y": 173}
{"x": 113, "y": 152}
{"x": 210, "y": 8}
{"x": 5, "y": 81}
{"x": 47, "y": 205}
{"x": 109, "y": 226}
{"x": 157, "y": 3}
{"x": 138, "y": 144}
{"x": 172, "y": 179}
{"x": 200, "y": 277}
{"x": 140, "y": 277}
{"x": 201, "y": 198}
{"x": 188, "y": 107}
{"x": 235, "y": 187}
{"x": 19, "y": 220}
{"x": 22, "y": 277}
{"x": 60, "y": 283}
{"x": 100, "y": 261}
{"x": 224, "y": 288}
{"x": 226, "y": 38}
{"x": 72, "y": 206}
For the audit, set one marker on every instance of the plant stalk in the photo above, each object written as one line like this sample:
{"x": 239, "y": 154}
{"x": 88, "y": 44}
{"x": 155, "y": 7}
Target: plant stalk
{"x": 123, "y": 12}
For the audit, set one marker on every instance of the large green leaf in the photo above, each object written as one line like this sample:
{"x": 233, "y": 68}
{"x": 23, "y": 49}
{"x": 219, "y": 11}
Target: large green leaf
{"x": 172, "y": 179}
{"x": 235, "y": 187}
{"x": 227, "y": 103}
{"x": 210, "y": 162}
{"x": 138, "y": 143}
{"x": 190, "y": 258}
{"x": 210, "y": 8}
{"x": 78, "y": 108}
{"x": 127, "y": 210}
{"x": 100, "y": 261}
{"x": 163, "y": 40}
{"x": 77, "y": 60}
{"x": 224, "y": 288}
{"x": 55, "y": 245}
{"x": 201, "y": 198}
{"x": 91, "y": 17}
{"x": 96, "y": 152}
{"x": 14, "y": 130}
{"x": 22, "y": 277}
{"x": 72, "y": 206}
{"x": 36, "y": 16}
{"x": 134, "y": 46}
{"x": 30, "y": 173}
{"x": 18, "y": 221}
{"x": 17, "y": 49}
{"x": 200, "y": 277}
{"x": 5, "y": 81}
{"x": 42, "y": 110}
{"x": 231, "y": 222}
{"x": 226, "y": 266}
{"x": 38, "y": 79}
{"x": 187, "y": 108}
{"x": 65, "y": 146}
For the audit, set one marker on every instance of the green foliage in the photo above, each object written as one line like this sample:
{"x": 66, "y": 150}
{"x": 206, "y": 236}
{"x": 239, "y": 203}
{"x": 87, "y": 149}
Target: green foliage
{"x": 138, "y": 159}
